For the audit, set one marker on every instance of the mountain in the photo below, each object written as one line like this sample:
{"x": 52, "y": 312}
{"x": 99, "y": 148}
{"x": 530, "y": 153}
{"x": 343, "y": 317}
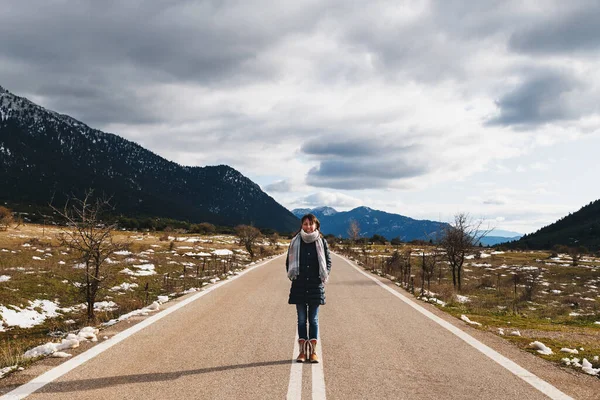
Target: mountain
{"x": 493, "y": 240}
{"x": 497, "y": 236}
{"x": 46, "y": 156}
{"x": 581, "y": 228}
{"x": 503, "y": 233}
{"x": 319, "y": 212}
{"x": 373, "y": 222}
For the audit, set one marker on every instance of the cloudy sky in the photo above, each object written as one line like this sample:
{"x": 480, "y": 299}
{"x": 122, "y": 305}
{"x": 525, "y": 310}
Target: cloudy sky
{"x": 423, "y": 108}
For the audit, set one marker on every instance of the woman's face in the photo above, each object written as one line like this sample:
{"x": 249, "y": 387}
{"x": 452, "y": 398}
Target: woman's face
{"x": 308, "y": 226}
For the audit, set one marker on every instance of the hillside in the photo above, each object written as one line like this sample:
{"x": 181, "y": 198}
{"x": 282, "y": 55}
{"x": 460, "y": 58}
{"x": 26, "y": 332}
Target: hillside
{"x": 47, "y": 157}
{"x": 581, "y": 228}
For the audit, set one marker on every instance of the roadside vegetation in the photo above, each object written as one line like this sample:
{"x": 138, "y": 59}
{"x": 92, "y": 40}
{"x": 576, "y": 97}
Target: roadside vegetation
{"x": 47, "y": 275}
{"x": 538, "y": 300}
{"x": 523, "y": 296}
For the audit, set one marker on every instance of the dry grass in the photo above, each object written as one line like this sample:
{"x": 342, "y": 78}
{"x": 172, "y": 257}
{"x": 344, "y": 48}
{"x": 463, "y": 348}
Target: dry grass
{"x": 560, "y": 309}
{"x": 40, "y": 269}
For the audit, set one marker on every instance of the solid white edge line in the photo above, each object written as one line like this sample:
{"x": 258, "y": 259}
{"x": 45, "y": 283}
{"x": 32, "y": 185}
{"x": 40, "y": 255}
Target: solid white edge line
{"x": 56, "y": 372}
{"x": 318, "y": 376}
{"x": 295, "y": 385}
{"x": 513, "y": 367}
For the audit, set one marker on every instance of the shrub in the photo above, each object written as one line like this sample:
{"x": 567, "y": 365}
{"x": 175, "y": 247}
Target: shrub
{"x": 6, "y": 218}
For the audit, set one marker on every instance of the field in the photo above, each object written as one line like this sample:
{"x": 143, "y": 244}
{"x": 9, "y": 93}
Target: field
{"x": 522, "y": 296}
{"x": 42, "y": 284}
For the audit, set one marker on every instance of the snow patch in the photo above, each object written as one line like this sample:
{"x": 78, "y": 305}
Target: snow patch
{"x": 125, "y": 286}
{"x": 29, "y": 317}
{"x": 567, "y": 350}
{"x": 468, "y": 321}
{"x": 541, "y": 348}
{"x": 142, "y": 311}
{"x": 222, "y": 252}
{"x": 462, "y": 299}
{"x": 70, "y": 342}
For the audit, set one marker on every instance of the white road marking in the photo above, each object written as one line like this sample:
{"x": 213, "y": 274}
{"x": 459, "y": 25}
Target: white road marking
{"x": 295, "y": 386}
{"x": 513, "y": 367}
{"x": 318, "y": 377}
{"x": 55, "y": 373}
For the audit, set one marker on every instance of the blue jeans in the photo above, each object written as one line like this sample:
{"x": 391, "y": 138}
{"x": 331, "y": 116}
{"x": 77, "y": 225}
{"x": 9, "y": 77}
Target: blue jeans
{"x": 312, "y": 311}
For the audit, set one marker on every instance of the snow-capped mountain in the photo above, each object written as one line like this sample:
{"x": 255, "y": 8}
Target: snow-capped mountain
{"x": 373, "y": 222}
{"x": 46, "y": 156}
{"x": 319, "y": 212}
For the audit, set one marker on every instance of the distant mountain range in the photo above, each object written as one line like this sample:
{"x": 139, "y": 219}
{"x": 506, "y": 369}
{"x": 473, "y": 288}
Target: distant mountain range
{"x": 48, "y": 156}
{"x": 388, "y": 225}
{"x": 373, "y": 222}
{"x": 494, "y": 240}
{"x": 581, "y": 228}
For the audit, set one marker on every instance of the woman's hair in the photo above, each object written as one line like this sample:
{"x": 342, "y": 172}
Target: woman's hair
{"x": 311, "y": 218}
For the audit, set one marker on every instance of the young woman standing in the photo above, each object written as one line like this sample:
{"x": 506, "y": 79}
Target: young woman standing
{"x": 308, "y": 265}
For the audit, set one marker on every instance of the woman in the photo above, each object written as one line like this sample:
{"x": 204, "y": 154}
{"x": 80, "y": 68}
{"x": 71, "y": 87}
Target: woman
{"x": 308, "y": 264}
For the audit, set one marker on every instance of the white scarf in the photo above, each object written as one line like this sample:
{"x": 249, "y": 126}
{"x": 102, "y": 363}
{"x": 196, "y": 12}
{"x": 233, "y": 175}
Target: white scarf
{"x": 294, "y": 254}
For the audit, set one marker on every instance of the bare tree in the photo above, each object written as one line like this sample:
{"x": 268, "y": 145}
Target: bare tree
{"x": 516, "y": 278}
{"x": 91, "y": 240}
{"x": 274, "y": 240}
{"x": 18, "y": 221}
{"x": 407, "y": 253}
{"x": 531, "y": 283}
{"x": 6, "y": 218}
{"x": 429, "y": 262}
{"x": 458, "y": 239}
{"x": 248, "y": 236}
{"x": 394, "y": 264}
{"x": 576, "y": 252}
{"x": 353, "y": 231}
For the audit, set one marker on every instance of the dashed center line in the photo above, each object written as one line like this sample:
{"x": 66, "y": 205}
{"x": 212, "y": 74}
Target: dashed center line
{"x": 318, "y": 376}
{"x": 295, "y": 385}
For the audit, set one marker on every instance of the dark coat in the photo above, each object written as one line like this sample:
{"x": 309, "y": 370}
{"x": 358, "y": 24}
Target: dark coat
{"x": 307, "y": 288}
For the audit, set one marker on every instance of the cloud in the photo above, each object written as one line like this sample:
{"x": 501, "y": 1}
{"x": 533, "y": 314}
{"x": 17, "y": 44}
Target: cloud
{"x": 354, "y": 146}
{"x": 361, "y": 173}
{"x": 563, "y": 31}
{"x": 393, "y": 100}
{"x": 542, "y": 98}
{"x": 330, "y": 199}
{"x": 279, "y": 186}
{"x": 496, "y": 201}
{"x": 355, "y": 162}
{"x": 83, "y": 59}
{"x": 539, "y": 166}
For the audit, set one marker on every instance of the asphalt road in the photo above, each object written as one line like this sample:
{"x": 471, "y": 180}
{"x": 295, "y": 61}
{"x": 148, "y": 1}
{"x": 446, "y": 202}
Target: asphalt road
{"x": 237, "y": 342}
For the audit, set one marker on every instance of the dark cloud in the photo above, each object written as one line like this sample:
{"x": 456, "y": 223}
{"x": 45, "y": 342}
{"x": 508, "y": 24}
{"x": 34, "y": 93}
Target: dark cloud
{"x": 279, "y": 186}
{"x": 541, "y": 98}
{"x": 247, "y": 71}
{"x": 354, "y": 162}
{"x": 356, "y": 173}
{"x": 437, "y": 44}
{"x": 90, "y": 60}
{"x": 96, "y": 105}
{"x": 353, "y": 147}
{"x": 562, "y": 32}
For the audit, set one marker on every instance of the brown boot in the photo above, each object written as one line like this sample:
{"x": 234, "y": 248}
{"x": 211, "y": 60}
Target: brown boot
{"x": 313, "y": 351}
{"x": 302, "y": 356}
